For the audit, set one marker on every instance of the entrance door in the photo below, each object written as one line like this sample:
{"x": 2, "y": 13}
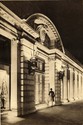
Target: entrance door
{"x": 39, "y": 88}
{"x": 4, "y": 87}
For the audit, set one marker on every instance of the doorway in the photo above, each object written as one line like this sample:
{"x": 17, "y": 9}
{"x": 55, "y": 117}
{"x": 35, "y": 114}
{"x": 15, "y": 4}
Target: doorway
{"x": 39, "y": 88}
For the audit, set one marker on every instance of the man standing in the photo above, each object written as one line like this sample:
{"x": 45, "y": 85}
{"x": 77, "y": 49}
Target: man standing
{"x": 51, "y": 96}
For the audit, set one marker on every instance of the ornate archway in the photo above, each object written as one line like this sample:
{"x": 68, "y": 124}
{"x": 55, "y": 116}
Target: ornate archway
{"x": 48, "y": 34}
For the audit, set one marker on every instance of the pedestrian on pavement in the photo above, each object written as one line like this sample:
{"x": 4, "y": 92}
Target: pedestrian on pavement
{"x": 51, "y": 96}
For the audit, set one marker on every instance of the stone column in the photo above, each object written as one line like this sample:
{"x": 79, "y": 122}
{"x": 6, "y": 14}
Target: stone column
{"x": 14, "y": 74}
{"x": 65, "y": 87}
{"x": 51, "y": 74}
{"x": 75, "y": 88}
{"x": 52, "y": 66}
{"x": 68, "y": 83}
{"x": 47, "y": 81}
{"x": 79, "y": 85}
{"x": 71, "y": 85}
{"x": 57, "y": 82}
{"x": 27, "y": 80}
{"x": 82, "y": 85}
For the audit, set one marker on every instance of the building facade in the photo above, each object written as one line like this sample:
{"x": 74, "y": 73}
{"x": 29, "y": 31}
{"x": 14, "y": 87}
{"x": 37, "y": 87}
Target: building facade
{"x": 33, "y": 60}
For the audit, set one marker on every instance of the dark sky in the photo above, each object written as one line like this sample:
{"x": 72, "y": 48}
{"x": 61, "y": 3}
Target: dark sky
{"x": 67, "y": 15}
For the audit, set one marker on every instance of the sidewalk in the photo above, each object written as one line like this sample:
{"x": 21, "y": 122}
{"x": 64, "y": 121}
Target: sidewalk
{"x": 68, "y": 114}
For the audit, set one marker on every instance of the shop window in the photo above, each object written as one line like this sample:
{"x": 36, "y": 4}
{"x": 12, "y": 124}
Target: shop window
{"x": 5, "y": 55}
{"x": 39, "y": 88}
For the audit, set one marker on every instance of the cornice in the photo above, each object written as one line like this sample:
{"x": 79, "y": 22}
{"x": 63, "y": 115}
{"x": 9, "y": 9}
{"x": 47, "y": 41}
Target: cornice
{"x": 15, "y": 21}
{"x": 59, "y": 54}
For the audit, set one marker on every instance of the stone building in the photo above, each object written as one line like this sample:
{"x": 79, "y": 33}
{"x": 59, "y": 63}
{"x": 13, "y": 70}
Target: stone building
{"x": 33, "y": 60}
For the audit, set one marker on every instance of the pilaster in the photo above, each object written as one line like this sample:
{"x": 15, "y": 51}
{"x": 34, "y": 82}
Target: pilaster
{"x": 75, "y": 88}
{"x": 47, "y": 82}
{"x": 58, "y": 82}
{"x": 14, "y": 74}
{"x": 26, "y": 83}
{"x": 79, "y": 85}
{"x": 71, "y": 85}
{"x": 65, "y": 87}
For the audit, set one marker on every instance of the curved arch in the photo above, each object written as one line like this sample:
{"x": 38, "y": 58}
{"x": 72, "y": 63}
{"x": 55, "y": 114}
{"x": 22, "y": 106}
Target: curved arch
{"x": 48, "y": 27}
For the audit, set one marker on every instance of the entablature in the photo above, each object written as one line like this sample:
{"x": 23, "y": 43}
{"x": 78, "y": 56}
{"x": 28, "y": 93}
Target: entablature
{"x": 15, "y": 21}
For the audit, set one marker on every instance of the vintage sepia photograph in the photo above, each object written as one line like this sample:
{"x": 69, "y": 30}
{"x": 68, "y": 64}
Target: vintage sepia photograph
{"x": 41, "y": 62}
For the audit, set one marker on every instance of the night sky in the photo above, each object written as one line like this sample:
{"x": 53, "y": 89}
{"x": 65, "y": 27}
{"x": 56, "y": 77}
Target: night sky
{"x": 67, "y": 15}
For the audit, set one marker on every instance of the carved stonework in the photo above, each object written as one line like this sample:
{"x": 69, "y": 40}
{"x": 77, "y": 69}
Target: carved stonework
{"x": 51, "y": 58}
{"x": 48, "y": 34}
{"x": 42, "y": 33}
{"x": 7, "y": 17}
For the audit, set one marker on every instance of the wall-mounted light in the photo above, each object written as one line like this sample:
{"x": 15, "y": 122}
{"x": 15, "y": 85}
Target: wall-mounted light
{"x": 32, "y": 65}
{"x": 68, "y": 71}
{"x": 60, "y": 75}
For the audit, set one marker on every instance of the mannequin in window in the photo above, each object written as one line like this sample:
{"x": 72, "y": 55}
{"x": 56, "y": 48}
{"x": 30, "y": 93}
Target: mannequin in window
{"x": 4, "y": 93}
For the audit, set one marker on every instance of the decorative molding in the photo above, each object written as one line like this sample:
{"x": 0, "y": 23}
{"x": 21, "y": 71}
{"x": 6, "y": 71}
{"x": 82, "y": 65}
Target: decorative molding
{"x": 15, "y": 21}
{"x": 37, "y": 20}
{"x": 8, "y": 18}
{"x": 51, "y": 58}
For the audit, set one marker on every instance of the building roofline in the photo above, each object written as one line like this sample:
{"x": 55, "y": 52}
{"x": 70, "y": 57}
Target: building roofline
{"x": 19, "y": 22}
{"x": 10, "y": 12}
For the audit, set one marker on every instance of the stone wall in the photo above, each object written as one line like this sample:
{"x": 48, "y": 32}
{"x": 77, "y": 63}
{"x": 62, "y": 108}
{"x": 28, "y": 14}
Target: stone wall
{"x": 26, "y": 91}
